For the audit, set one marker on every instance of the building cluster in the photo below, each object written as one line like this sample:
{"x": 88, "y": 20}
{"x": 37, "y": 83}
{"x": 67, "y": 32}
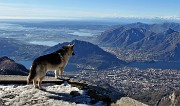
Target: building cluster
{"x": 133, "y": 81}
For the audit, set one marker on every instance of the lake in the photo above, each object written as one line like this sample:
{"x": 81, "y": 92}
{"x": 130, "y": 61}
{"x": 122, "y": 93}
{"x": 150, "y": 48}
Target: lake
{"x": 69, "y": 67}
{"x": 159, "y": 65}
{"x": 140, "y": 65}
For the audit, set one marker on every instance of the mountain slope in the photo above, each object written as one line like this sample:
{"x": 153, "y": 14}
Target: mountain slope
{"x": 10, "y": 67}
{"x": 89, "y": 56}
{"x": 143, "y": 43}
{"x": 123, "y": 36}
{"x": 19, "y": 50}
{"x": 165, "y": 45}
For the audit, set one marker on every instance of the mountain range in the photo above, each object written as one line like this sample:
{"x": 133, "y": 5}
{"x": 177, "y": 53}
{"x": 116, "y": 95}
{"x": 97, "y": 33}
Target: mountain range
{"x": 136, "y": 41}
{"x": 157, "y": 28}
{"x": 88, "y": 55}
{"x": 140, "y": 41}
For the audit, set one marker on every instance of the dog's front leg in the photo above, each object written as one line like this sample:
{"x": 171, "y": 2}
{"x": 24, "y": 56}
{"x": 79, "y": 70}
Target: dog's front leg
{"x": 56, "y": 73}
{"x": 61, "y": 69}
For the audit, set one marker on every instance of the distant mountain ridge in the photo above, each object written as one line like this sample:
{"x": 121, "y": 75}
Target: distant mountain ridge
{"x": 157, "y": 28}
{"x": 89, "y": 56}
{"x": 160, "y": 46}
{"x": 18, "y": 50}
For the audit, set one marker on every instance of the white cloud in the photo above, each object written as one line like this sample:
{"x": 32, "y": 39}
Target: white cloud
{"x": 9, "y": 11}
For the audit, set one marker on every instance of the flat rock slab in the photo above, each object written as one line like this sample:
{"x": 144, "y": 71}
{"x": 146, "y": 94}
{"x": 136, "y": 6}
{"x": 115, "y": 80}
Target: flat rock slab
{"x": 52, "y": 95}
{"x": 15, "y": 79}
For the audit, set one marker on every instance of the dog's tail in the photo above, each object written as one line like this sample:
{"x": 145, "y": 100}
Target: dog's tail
{"x": 32, "y": 72}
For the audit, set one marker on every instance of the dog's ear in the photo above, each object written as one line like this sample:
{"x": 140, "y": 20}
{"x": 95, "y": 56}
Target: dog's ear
{"x": 72, "y": 45}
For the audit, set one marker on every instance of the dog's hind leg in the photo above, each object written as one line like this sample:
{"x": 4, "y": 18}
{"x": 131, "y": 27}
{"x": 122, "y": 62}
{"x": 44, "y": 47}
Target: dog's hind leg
{"x": 41, "y": 75}
{"x": 40, "y": 82}
{"x": 35, "y": 83}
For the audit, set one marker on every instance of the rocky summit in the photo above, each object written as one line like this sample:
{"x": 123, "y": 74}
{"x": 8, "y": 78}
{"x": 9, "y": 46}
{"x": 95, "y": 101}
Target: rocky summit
{"x": 172, "y": 99}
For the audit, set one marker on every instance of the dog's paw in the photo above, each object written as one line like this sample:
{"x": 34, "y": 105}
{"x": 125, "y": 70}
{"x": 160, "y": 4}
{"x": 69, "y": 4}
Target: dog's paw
{"x": 42, "y": 89}
{"x": 57, "y": 77}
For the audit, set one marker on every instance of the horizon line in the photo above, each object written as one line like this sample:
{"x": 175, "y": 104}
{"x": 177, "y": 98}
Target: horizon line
{"x": 100, "y": 19}
{"x": 84, "y": 18}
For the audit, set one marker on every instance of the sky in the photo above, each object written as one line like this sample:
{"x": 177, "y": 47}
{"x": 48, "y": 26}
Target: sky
{"x": 88, "y": 9}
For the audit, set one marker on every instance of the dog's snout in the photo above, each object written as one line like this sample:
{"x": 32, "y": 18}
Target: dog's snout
{"x": 73, "y": 53}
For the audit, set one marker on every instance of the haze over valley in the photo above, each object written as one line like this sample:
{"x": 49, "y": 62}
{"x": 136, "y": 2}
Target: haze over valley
{"x": 137, "y": 44}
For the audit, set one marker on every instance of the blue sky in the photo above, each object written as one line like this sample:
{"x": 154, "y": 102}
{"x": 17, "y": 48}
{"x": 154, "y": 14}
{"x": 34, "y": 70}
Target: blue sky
{"x": 87, "y": 9}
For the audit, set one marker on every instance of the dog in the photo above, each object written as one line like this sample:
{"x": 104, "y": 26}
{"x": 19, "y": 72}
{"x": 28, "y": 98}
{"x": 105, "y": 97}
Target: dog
{"x": 54, "y": 61}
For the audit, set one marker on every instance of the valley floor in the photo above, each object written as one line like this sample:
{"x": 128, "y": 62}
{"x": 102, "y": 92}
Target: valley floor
{"x": 145, "y": 85}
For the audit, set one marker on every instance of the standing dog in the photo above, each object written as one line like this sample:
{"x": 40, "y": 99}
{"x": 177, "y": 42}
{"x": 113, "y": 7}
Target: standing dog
{"x": 54, "y": 61}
